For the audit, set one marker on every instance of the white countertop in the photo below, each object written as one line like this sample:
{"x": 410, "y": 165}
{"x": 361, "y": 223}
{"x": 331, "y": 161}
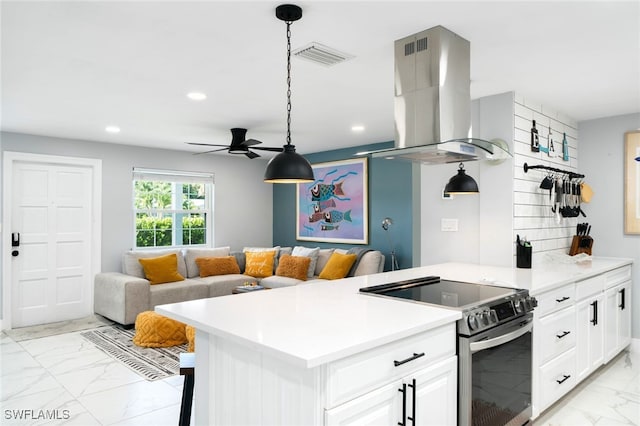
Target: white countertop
{"x": 312, "y": 324}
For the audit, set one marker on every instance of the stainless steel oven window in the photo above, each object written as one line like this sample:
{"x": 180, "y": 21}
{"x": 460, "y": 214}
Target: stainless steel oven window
{"x": 495, "y": 375}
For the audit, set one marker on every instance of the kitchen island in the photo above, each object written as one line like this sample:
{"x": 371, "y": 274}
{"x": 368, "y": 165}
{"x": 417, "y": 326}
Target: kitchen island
{"x": 321, "y": 353}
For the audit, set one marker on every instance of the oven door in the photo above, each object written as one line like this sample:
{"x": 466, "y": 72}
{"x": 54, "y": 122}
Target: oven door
{"x": 495, "y": 375}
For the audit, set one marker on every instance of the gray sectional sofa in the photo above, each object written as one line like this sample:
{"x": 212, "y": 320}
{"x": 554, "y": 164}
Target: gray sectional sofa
{"x": 121, "y": 296}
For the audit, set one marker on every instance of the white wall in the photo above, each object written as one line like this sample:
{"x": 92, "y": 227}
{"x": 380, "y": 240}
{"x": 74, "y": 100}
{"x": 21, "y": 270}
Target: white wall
{"x": 243, "y": 202}
{"x": 601, "y": 159}
{"x": 533, "y": 217}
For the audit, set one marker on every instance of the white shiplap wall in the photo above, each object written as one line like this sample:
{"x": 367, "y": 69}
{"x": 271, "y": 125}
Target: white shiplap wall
{"x": 533, "y": 218}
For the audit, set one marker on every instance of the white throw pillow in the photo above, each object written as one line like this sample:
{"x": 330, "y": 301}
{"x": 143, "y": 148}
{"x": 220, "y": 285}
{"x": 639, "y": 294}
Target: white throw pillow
{"x": 323, "y": 258}
{"x": 191, "y": 254}
{"x": 313, "y": 253}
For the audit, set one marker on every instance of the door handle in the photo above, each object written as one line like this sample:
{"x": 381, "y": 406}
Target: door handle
{"x": 411, "y": 358}
{"x": 403, "y": 391}
{"x": 413, "y": 387}
{"x": 564, "y": 333}
{"x": 621, "y": 305}
{"x": 594, "y": 321}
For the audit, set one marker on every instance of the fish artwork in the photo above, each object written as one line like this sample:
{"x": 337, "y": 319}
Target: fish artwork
{"x": 315, "y": 217}
{"x": 323, "y": 205}
{"x": 324, "y": 192}
{"x": 336, "y": 216}
{"x": 327, "y": 227}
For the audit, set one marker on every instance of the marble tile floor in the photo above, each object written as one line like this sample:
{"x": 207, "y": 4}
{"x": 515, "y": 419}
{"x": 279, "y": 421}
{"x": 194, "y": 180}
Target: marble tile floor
{"x": 609, "y": 397}
{"x": 69, "y": 379}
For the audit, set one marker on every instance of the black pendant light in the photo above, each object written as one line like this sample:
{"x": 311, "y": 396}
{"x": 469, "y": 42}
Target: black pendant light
{"x": 288, "y": 166}
{"x": 461, "y": 183}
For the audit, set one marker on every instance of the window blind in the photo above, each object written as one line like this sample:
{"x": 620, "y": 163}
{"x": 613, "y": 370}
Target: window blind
{"x": 172, "y": 176}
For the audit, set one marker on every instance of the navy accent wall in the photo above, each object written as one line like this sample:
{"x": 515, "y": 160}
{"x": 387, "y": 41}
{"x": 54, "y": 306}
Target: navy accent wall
{"x": 390, "y": 195}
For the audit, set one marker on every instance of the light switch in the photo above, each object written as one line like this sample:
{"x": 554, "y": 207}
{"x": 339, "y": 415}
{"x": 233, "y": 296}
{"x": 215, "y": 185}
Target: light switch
{"x": 449, "y": 225}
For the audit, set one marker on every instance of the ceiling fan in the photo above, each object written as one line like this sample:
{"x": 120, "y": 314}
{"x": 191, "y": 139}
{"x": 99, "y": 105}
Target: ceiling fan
{"x": 239, "y": 145}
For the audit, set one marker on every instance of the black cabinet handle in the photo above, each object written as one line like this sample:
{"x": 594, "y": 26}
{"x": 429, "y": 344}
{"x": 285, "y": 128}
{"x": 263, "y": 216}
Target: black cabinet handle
{"x": 404, "y": 404}
{"x": 413, "y": 403}
{"x": 621, "y": 305}
{"x": 563, "y": 299}
{"x": 565, "y": 377}
{"x": 564, "y": 333}
{"x": 594, "y": 321}
{"x": 411, "y": 358}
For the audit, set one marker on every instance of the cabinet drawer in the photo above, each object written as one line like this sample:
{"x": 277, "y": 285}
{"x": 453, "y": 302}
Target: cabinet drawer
{"x": 617, "y": 276}
{"x": 555, "y": 334}
{"x": 555, "y": 300}
{"x": 557, "y": 378}
{"x": 590, "y": 286}
{"x": 353, "y": 376}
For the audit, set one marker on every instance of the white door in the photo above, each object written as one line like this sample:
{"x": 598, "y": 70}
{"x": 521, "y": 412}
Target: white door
{"x": 378, "y": 407}
{"x": 436, "y": 402}
{"x": 52, "y": 212}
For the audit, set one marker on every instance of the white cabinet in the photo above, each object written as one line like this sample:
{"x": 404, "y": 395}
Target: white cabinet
{"x": 554, "y": 342}
{"x": 426, "y": 397}
{"x": 257, "y": 388}
{"x": 617, "y": 313}
{"x": 589, "y": 335}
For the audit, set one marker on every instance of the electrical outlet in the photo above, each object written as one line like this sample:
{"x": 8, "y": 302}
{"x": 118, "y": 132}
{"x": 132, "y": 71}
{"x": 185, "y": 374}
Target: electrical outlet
{"x": 449, "y": 225}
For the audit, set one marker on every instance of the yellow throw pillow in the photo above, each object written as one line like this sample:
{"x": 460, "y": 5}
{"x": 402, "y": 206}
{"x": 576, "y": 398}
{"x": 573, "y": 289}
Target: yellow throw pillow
{"x": 259, "y": 263}
{"x": 293, "y": 266}
{"x": 224, "y": 265}
{"x": 161, "y": 269}
{"x": 338, "y": 266}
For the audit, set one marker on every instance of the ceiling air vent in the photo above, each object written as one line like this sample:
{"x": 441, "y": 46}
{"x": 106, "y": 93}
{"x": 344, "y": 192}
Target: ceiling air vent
{"x": 321, "y": 54}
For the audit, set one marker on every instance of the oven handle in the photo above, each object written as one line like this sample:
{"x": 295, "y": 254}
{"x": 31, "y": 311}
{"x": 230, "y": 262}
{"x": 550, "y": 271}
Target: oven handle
{"x": 496, "y": 341}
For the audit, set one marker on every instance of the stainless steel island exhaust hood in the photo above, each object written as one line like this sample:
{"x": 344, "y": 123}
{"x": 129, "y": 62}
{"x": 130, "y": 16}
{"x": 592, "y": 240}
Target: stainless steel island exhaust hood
{"x": 432, "y": 101}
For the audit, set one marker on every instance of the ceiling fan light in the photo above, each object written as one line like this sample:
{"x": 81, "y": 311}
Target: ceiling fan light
{"x": 461, "y": 183}
{"x": 288, "y": 167}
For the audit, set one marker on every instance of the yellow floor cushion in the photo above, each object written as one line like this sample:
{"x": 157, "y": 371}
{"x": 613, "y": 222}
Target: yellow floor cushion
{"x": 191, "y": 337}
{"x": 156, "y": 331}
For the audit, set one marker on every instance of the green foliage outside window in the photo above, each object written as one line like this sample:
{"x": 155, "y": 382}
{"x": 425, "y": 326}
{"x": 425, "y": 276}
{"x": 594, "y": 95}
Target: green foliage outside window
{"x": 155, "y": 213}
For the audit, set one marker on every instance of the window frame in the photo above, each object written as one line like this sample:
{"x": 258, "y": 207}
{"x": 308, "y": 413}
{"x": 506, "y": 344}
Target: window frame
{"x": 175, "y": 177}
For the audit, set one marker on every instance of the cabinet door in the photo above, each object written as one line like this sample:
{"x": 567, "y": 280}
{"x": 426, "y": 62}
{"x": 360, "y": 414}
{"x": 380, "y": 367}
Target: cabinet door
{"x": 436, "y": 397}
{"x": 431, "y": 391}
{"x": 617, "y": 319}
{"x": 382, "y": 406}
{"x": 589, "y": 335}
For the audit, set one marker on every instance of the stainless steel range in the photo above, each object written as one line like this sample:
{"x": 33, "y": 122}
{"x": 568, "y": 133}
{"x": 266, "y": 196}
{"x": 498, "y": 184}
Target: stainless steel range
{"x": 494, "y": 345}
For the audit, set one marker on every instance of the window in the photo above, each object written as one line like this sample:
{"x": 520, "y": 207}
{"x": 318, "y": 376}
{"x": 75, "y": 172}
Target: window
{"x": 172, "y": 209}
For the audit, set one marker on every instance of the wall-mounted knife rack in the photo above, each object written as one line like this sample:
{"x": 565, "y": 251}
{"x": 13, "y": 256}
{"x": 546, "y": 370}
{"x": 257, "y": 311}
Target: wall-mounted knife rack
{"x": 570, "y": 175}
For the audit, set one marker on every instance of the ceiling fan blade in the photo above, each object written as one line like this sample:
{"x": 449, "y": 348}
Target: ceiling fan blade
{"x": 268, "y": 148}
{"x": 252, "y": 155}
{"x": 205, "y": 144}
{"x": 250, "y": 142}
{"x": 208, "y": 152}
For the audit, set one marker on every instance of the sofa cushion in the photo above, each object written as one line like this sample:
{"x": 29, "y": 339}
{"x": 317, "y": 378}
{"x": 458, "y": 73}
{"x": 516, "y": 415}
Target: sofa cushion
{"x": 275, "y": 250}
{"x": 293, "y": 267}
{"x": 217, "y": 265}
{"x": 260, "y": 263}
{"x": 369, "y": 263}
{"x": 131, "y": 266}
{"x": 338, "y": 266}
{"x": 276, "y": 281}
{"x": 161, "y": 269}
{"x": 323, "y": 258}
{"x": 189, "y": 289}
{"x": 223, "y": 285}
{"x": 191, "y": 254}
{"x": 311, "y": 253}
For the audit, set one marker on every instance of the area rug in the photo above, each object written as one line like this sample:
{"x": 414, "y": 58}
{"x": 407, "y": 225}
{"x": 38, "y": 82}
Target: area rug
{"x": 55, "y": 328}
{"x": 150, "y": 363}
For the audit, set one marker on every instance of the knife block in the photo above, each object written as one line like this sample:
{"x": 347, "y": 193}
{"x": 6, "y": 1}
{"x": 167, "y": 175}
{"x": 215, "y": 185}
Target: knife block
{"x": 581, "y": 244}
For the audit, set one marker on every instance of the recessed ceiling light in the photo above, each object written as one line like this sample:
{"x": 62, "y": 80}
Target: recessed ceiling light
{"x": 196, "y": 96}
{"x": 357, "y": 128}
{"x": 112, "y": 129}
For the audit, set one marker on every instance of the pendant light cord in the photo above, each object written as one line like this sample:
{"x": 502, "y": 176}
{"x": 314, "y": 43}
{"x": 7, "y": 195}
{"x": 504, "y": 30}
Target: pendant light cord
{"x": 288, "y": 82}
